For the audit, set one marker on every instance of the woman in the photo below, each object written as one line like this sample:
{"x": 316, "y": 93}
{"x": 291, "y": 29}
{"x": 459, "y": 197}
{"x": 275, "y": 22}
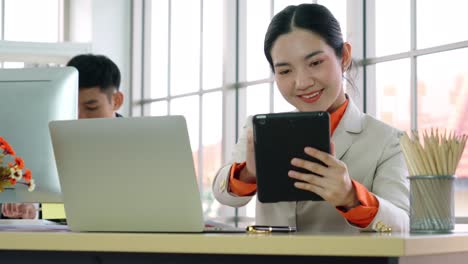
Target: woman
{"x": 364, "y": 184}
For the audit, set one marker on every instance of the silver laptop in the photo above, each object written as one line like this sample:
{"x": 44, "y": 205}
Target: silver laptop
{"x": 127, "y": 174}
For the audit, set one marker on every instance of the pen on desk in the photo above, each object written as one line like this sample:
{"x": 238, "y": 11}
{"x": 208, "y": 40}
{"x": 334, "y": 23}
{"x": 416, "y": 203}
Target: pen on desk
{"x": 270, "y": 229}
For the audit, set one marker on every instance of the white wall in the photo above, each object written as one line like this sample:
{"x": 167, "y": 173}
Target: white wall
{"x": 80, "y": 21}
{"x": 111, "y": 36}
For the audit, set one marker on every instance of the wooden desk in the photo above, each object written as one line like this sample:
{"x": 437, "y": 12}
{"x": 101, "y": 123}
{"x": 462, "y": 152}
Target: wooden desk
{"x": 69, "y": 247}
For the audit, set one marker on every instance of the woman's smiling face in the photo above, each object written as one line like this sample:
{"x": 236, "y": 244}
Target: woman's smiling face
{"x": 308, "y": 73}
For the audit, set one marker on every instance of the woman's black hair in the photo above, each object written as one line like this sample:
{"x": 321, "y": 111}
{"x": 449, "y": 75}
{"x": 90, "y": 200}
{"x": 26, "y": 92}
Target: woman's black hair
{"x": 313, "y": 17}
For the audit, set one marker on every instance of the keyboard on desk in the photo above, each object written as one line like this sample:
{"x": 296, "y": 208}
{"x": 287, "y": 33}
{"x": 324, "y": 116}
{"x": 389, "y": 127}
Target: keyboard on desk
{"x": 31, "y": 225}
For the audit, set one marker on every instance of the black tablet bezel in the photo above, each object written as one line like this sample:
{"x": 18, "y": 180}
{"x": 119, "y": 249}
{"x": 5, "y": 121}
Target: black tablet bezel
{"x": 278, "y": 138}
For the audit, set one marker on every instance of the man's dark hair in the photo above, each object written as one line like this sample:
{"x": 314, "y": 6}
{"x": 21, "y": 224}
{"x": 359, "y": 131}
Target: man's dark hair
{"x": 96, "y": 70}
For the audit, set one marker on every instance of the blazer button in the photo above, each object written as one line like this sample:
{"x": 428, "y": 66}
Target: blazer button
{"x": 381, "y": 227}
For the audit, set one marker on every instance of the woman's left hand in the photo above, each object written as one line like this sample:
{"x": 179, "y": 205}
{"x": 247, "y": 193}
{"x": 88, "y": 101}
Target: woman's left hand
{"x": 334, "y": 186}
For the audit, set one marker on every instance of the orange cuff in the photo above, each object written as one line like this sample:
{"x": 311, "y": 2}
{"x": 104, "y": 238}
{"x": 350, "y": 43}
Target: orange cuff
{"x": 363, "y": 214}
{"x": 237, "y": 186}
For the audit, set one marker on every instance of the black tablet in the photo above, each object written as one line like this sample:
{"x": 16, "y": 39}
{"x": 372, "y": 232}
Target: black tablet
{"x": 280, "y": 137}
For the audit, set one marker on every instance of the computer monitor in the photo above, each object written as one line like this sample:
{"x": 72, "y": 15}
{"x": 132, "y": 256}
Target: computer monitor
{"x": 29, "y": 99}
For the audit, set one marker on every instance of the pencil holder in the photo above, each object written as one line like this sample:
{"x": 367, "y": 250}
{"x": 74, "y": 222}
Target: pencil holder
{"x": 432, "y": 204}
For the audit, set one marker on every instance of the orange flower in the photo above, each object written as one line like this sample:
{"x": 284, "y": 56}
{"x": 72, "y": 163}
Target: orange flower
{"x": 27, "y": 175}
{"x": 12, "y": 181}
{"x": 7, "y": 149}
{"x": 19, "y": 162}
{"x": 2, "y": 141}
{"x": 12, "y": 172}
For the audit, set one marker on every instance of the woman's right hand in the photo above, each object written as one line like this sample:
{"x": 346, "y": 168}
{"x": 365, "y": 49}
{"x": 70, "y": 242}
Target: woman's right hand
{"x": 248, "y": 173}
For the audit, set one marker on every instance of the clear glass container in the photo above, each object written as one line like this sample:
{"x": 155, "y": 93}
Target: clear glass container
{"x": 432, "y": 204}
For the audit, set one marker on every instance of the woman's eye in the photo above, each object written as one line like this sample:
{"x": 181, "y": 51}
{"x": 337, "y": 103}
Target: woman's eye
{"x": 283, "y": 72}
{"x": 315, "y": 63}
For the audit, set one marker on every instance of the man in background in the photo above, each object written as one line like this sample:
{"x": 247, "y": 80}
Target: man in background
{"x": 98, "y": 97}
{"x": 99, "y": 82}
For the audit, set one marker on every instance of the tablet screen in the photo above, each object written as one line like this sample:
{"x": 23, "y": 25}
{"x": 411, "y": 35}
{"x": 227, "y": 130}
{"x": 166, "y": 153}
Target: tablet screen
{"x": 280, "y": 137}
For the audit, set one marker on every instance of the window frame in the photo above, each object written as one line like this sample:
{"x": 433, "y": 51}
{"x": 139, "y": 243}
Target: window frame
{"x": 141, "y": 72}
{"x": 38, "y": 53}
{"x": 369, "y": 90}
{"x": 412, "y": 54}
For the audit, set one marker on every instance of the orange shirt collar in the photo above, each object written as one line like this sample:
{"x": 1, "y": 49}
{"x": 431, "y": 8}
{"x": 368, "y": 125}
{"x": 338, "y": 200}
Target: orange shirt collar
{"x": 336, "y": 116}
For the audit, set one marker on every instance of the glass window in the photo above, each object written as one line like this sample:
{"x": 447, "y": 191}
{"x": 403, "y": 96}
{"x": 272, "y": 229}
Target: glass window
{"x": 1, "y": 22}
{"x": 212, "y": 134}
{"x": 279, "y": 103}
{"x": 182, "y": 64}
{"x": 158, "y": 108}
{"x": 250, "y": 208}
{"x": 30, "y": 20}
{"x": 440, "y": 22}
{"x": 443, "y": 95}
{"x": 185, "y": 46}
{"x": 258, "y": 99}
{"x": 338, "y": 9}
{"x": 281, "y": 4}
{"x": 393, "y": 93}
{"x": 461, "y": 196}
{"x": 159, "y": 48}
{"x": 212, "y": 44}
{"x": 258, "y": 18}
{"x": 392, "y": 27}
{"x": 189, "y": 108}
{"x": 212, "y": 128}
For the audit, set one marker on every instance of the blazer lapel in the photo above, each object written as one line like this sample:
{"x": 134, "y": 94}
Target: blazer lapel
{"x": 350, "y": 125}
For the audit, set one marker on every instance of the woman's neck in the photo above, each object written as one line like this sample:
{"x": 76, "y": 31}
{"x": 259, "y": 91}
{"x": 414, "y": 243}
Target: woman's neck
{"x": 340, "y": 100}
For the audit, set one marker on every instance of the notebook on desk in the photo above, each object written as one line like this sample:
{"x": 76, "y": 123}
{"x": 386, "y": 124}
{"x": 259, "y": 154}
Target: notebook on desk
{"x": 128, "y": 175}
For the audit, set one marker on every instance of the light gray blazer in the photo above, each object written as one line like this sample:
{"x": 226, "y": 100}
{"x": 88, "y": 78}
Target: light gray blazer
{"x": 371, "y": 151}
